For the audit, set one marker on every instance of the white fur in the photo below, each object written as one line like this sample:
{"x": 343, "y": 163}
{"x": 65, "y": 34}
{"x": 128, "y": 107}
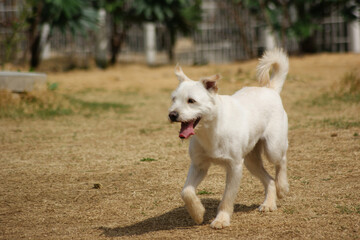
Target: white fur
{"x": 234, "y": 130}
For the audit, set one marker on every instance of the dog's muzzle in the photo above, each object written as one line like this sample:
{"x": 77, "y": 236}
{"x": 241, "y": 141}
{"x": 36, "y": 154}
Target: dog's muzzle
{"x": 173, "y": 116}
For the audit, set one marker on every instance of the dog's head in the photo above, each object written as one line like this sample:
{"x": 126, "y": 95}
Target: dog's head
{"x": 192, "y": 102}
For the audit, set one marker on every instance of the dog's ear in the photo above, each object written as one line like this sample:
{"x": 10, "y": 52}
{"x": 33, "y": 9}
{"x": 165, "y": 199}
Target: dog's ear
{"x": 210, "y": 83}
{"x": 180, "y": 74}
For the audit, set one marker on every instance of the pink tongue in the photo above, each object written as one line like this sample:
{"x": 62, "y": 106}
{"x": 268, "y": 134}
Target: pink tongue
{"x": 187, "y": 129}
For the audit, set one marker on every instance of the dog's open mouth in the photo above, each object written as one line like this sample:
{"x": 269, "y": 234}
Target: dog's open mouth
{"x": 187, "y": 128}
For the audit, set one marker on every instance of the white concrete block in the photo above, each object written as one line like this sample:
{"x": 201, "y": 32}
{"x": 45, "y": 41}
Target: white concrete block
{"x": 22, "y": 82}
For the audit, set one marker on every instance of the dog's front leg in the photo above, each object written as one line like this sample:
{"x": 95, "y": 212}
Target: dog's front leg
{"x": 226, "y": 207}
{"x": 192, "y": 202}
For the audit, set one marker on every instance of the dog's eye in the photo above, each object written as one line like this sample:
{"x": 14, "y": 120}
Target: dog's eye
{"x": 190, "y": 100}
{"x": 173, "y": 99}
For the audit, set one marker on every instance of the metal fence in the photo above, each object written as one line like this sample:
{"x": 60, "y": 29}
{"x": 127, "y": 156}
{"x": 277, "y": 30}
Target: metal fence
{"x": 333, "y": 36}
{"x": 218, "y": 38}
{"x": 227, "y": 33}
{"x": 9, "y": 43}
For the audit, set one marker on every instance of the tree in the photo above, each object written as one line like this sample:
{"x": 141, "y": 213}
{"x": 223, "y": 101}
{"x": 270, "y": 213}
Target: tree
{"x": 298, "y": 19}
{"x": 122, "y": 16}
{"x": 177, "y": 15}
{"x": 78, "y": 16}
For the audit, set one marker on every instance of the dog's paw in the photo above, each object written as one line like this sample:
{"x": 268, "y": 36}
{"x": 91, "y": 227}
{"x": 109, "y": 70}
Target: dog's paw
{"x": 267, "y": 208}
{"x": 217, "y": 224}
{"x": 193, "y": 205}
{"x": 222, "y": 220}
{"x": 197, "y": 213}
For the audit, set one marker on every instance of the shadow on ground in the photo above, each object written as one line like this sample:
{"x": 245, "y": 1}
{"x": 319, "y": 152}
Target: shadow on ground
{"x": 177, "y": 218}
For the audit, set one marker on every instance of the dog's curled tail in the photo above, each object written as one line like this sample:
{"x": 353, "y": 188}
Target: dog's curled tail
{"x": 277, "y": 61}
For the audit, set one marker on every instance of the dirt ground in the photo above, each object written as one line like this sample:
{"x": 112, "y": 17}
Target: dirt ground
{"x": 109, "y": 174}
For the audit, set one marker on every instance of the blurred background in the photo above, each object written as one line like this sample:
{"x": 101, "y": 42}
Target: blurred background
{"x": 194, "y": 32}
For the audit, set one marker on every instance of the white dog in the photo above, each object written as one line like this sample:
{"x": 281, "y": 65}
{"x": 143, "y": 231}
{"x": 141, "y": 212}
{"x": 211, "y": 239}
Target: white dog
{"x": 232, "y": 130}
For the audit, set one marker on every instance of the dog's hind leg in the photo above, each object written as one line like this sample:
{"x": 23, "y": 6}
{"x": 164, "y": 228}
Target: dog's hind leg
{"x": 226, "y": 207}
{"x": 275, "y": 151}
{"x": 278, "y": 157}
{"x": 281, "y": 181}
{"x": 196, "y": 174}
{"x": 254, "y": 164}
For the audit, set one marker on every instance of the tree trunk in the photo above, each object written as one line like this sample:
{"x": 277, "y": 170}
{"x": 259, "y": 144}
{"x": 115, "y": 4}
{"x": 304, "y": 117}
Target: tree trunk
{"x": 114, "y": 43}
{"x": 117, "y": 38}
{"x": 172, "y": 39}
{"x": 35, "y": 37}
{"x": 308, "y": 45}
{"x": 35, "y": 52}
{"x": 41, "y": 38}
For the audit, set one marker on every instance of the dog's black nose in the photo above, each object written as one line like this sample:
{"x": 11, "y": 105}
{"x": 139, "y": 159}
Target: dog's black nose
{"x": 173, "y": 115}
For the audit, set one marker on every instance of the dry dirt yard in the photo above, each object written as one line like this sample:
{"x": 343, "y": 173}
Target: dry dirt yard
{"x": 95, "y": 157}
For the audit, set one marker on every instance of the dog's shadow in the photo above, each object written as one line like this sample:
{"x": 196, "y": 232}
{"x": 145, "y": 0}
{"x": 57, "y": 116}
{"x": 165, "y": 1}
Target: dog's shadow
{"x": 175, "y": 219}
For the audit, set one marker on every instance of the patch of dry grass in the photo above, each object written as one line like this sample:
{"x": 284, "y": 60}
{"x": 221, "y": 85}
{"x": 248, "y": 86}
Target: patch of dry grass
{"x": 351, "y": 82}
{"x": 50, "y": 166}
{"x": 49, "y": 104}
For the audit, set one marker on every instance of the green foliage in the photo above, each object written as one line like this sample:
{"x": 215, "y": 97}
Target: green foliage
{"x": 182, "y": 15}
{"x": 204, "y": 192}
{"x": 147, "y": 160}
{"x": 299, "y": 18}
{"x": 76, "y": 15}
{"x": 177, "y": 15}
{"x": 119, "y": 10}
{"x": 53, "y": 86}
